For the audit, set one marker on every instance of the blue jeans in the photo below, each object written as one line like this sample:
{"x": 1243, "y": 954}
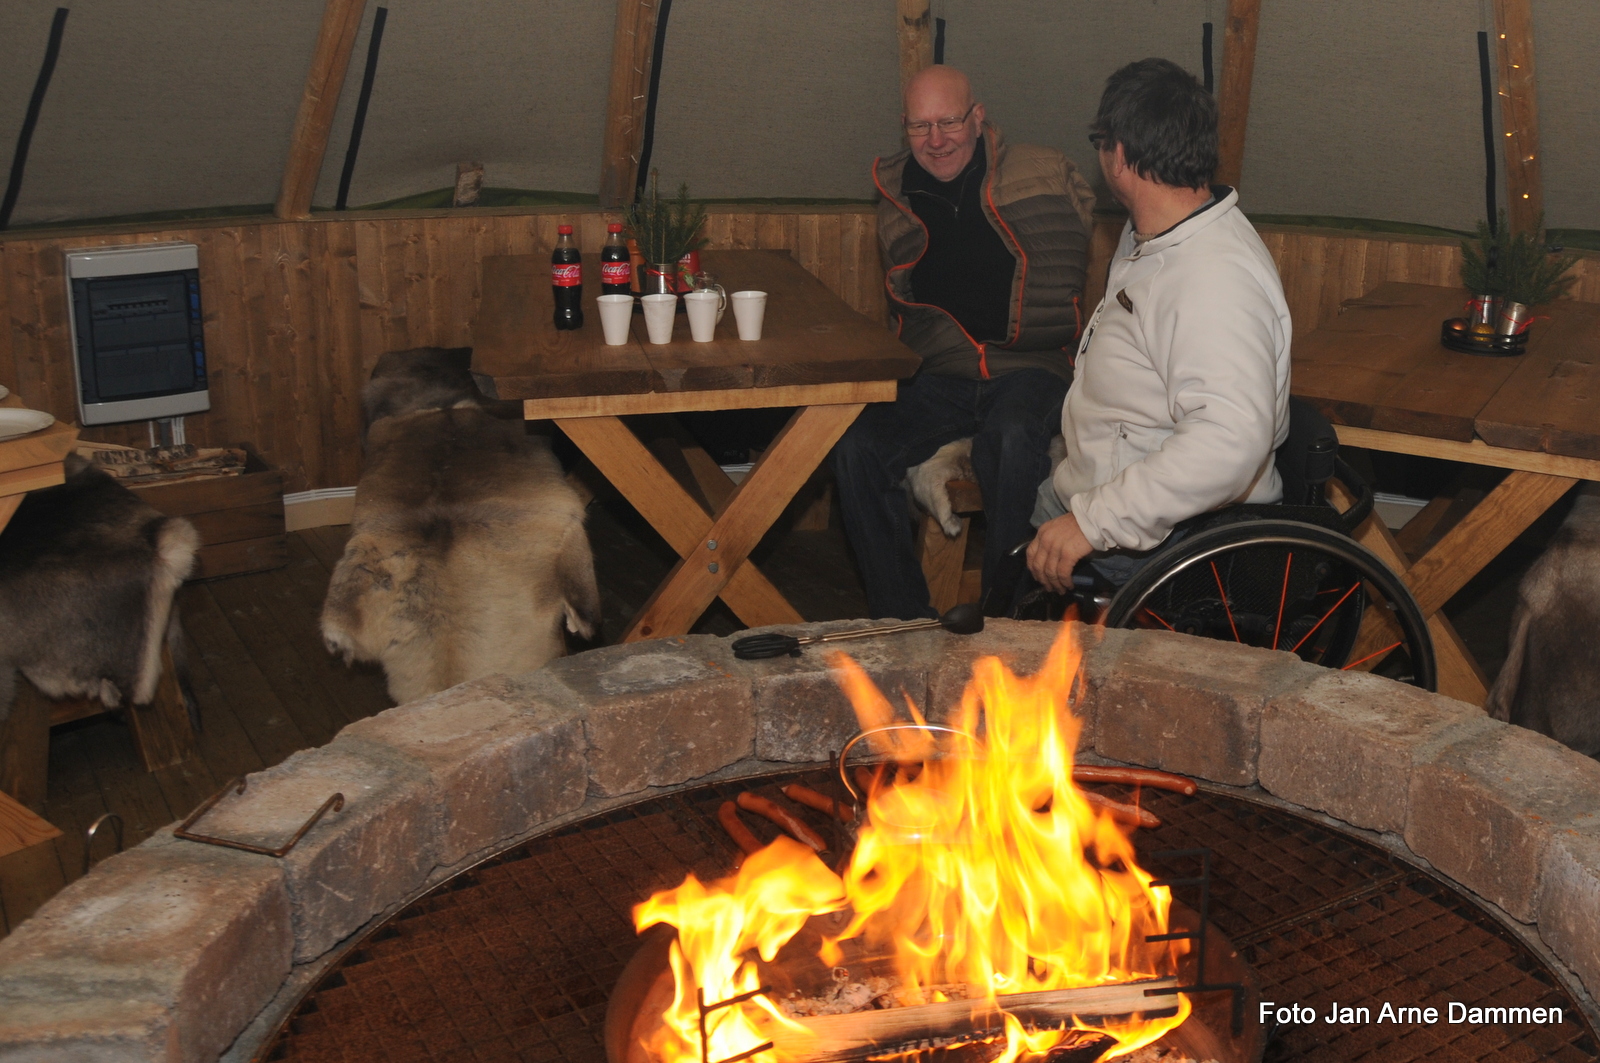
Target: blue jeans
{"x": 1010, "y": 418}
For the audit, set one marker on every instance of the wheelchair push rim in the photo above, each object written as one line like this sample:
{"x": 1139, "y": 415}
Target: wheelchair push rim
{"x": 1208, "y": 585}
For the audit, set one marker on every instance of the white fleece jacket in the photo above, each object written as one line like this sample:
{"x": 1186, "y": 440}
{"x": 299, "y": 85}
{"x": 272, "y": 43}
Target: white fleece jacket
{"x": 1181, "y": 390}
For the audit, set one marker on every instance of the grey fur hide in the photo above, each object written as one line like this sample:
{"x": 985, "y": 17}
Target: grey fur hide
{"x": 467, "y": 551}
{"x": 1550, "y": 682}
{"x": 87, "y": 576}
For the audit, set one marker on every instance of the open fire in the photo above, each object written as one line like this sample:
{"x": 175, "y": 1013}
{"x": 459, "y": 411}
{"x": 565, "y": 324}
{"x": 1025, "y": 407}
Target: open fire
{"x": 1000, "y": 903}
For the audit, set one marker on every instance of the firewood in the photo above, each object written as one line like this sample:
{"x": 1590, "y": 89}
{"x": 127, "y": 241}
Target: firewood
{"x": 858, "y": 1034}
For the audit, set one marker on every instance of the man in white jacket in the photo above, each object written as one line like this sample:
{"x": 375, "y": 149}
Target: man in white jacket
{"x": 1181, "y": 390}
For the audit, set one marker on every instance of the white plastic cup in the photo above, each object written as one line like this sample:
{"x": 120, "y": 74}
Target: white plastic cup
{"x": 659, "y": 310}
{"x": 616, "y": 318}
{"x": 702, "y": 308}
{"x": 749, "y": 308}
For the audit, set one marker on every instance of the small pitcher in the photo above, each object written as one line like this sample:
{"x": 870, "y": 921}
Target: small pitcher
{"x": 706, "y": 282}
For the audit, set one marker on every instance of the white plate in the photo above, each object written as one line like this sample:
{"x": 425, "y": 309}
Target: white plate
{"x": 19, "y": 422}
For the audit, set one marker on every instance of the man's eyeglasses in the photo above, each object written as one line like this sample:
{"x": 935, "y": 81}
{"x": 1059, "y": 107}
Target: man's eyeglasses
{"x": 946, "y": 125}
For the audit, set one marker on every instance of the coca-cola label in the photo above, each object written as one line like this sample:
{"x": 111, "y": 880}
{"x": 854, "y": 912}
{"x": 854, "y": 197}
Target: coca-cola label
{"x": 615, "y": 273}
{"x": 568, "y": 275}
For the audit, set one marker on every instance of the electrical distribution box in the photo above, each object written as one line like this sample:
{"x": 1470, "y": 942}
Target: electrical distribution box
{"x": 137, "y": 337}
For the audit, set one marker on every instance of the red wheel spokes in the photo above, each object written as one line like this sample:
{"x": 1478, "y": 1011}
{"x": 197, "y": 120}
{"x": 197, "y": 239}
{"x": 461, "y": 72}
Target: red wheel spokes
{"x": 1225, "y": 604}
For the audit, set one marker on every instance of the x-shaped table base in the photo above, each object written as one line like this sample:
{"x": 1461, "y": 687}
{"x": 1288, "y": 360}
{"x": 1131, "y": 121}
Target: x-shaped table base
{"x": 1534, "y": 484}
{"x": 714, "y": 551}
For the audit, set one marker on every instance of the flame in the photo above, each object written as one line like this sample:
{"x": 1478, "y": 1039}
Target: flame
{"x": 988, "y": 868}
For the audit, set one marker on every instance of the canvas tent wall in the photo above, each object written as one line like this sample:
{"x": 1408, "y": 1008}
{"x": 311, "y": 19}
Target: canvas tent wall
{"x": 1365, "y": 108}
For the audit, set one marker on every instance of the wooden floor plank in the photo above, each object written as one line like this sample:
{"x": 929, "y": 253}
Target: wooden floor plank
{"x": 294, "y": 600}
{"x": 242, "y": 600}
{"x": 327, "y": 543}
{"x": 272, "y": 732}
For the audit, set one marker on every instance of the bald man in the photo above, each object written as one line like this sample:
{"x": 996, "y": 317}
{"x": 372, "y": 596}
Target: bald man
{"x": 985, "y": 245}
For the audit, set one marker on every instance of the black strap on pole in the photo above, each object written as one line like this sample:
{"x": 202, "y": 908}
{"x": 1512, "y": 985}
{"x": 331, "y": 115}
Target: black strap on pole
{"x": 373, "y": 44}
{"x": 19, "y": 159}
{"x": 1491, "y": 187}
{"x": 648, "y": 142}
{"x": 1205, "y": 53}
{"x": 938, "y": 41}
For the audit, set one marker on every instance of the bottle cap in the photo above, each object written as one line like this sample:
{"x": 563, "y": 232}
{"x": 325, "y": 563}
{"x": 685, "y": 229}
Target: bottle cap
{"x": 564, "y": 230}
{"x": 614, "y": 227}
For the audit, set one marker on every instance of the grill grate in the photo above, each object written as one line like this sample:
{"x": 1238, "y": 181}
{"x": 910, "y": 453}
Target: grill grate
{"x": 513, "y": 959}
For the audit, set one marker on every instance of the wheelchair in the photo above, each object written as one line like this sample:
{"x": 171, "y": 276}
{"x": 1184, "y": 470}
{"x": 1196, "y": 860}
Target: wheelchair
{"x": 1284, "y": 576}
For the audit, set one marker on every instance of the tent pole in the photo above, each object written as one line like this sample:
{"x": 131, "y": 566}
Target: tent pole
{"x": 341, "y": 19}
{"x": 1519, "y": 113}
{"x": 1233, "y": 94}
{"x": 914, "y": 27}
{"x": 632, "y": 55}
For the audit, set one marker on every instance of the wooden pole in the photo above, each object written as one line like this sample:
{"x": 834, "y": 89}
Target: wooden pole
{"x": 1519, "y": 112}
{"x": 1233, "y": 91}
{"x": 632, "y": 52}
{"x": 914, "y": 26}
{"x": 341, "y": 20}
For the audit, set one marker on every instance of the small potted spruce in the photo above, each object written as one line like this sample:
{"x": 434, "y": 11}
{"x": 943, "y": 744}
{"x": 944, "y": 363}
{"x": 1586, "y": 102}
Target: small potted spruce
{"x": 1510, "y": 273}
{"x": 663, "y": 231}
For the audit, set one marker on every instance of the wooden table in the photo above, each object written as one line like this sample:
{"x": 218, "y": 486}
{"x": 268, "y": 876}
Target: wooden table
{"x": 30, "y": 462}
{"x": 27, "y": 463}
{"x": 815, "y": 353}
{"x": 1379, "y": 372}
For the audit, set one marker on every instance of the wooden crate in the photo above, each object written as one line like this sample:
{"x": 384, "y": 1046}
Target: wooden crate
{"x": 239, "y": 518}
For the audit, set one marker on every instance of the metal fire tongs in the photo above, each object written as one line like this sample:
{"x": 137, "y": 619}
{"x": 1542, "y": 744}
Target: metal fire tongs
{"x": 965, "y": 619}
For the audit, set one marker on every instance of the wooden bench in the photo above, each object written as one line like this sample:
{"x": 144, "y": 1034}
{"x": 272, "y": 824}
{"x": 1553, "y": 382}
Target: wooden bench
{"x": 944, "y": 560}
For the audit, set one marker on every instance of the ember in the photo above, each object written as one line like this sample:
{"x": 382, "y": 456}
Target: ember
{"x": 1008, "y": 905}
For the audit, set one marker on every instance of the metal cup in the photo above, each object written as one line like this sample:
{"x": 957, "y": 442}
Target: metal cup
{"x": 1513, "y": 320}
{"x": 1482, "y": 309}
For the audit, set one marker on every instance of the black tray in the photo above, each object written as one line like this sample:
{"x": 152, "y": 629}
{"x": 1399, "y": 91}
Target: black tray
{"x": 1461, "y": 339}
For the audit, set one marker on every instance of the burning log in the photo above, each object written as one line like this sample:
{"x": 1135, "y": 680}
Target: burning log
{"x": 857, "y": 1035}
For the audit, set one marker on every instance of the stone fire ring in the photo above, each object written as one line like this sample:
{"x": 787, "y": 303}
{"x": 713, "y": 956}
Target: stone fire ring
{"x": 182, "y": 951}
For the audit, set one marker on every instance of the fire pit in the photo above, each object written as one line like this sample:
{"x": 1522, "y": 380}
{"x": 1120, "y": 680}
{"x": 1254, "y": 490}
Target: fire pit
{"x": 1373, "y": 846}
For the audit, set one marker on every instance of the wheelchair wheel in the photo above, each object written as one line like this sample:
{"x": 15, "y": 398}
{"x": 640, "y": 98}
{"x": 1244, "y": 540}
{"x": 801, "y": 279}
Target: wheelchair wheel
{"x": 1284, "y": 585}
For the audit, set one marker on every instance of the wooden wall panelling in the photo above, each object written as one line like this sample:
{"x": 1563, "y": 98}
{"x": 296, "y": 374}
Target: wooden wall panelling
{"x": 298, "y": 312}
{"x": 1519, "y": 112}
{"x": 341, "y": 359}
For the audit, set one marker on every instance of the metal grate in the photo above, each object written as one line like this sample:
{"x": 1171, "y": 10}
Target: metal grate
{"x": 513, "y": 959}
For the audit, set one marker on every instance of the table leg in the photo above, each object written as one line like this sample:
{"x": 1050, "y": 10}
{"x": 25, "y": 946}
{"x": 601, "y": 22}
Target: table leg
{"x": 1505, "y": 513}
{"x": 8, "y": 506}
{"x": 630, "y": 467}
{"x": 716, "y": 559}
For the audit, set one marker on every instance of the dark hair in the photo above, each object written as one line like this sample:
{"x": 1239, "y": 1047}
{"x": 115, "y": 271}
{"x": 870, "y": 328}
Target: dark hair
{"x": 1165, "y": 121}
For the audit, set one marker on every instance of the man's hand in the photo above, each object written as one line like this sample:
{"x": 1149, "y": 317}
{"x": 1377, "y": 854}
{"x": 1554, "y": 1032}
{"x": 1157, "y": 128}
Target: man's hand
{"x": 1056, "y": 551}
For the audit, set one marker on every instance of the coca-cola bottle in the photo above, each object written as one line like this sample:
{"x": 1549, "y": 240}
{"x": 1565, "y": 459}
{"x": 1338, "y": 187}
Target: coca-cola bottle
{"x": 566, "y": 280}
{"x": 616, "y": 267}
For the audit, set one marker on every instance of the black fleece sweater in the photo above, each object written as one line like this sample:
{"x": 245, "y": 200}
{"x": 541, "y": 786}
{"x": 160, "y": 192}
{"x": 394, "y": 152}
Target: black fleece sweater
{"x": 967, "y": 269}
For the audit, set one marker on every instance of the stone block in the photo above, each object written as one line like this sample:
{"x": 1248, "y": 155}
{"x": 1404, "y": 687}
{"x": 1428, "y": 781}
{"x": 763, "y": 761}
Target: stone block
{"x": 803, "y": 715}
{"x": 1345, "y": 744}
{"x": 660, "y": 712}
{"x": 1190, "y": 705}
{"x": 1484, "y": 809}
{"x": 1022, "y": 646}
{"x": 356, "y": 861}
{"x": 164, "y": 952}
{"x": 503, "y": 756}
{"x": 1569, "y": 903}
